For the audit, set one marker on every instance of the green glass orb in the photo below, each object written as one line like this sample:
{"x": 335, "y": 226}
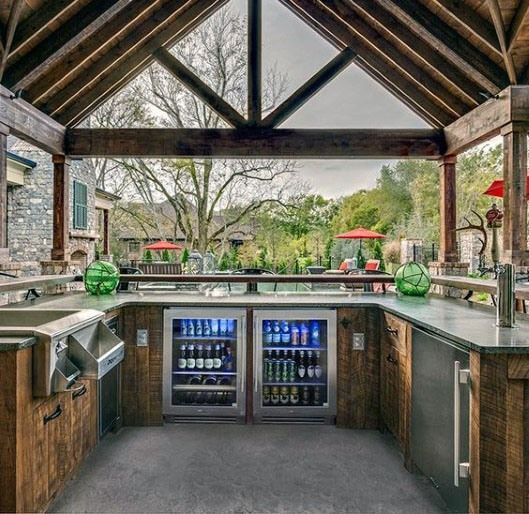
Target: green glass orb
{"x": 101, "y": 277}
{"x": 413, "y": 279}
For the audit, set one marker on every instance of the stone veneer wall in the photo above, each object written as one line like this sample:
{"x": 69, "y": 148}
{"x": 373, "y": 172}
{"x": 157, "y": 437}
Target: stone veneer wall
{"x": 459, "y": 269}
{"x": 30, "y": 212}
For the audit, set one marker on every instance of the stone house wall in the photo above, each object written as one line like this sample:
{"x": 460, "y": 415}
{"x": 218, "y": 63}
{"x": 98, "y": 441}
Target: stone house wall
{"x": 30, "y": 212}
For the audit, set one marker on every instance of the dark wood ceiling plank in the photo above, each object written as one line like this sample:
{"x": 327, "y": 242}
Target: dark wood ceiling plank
{"x": 21, "y": 73}
{"x": 252, "y": 142}
{"x": 12, "y": 23}
{"x": 429, "y": 55}
{"x": 466, "y": 16}
{"x": 380, "y": 44}
{"x": 30, "y": 124}
{"x": 33, "y": 26}
{"x": 312, "y": 86}
{"x": 403, "y": 83}
{"x": 497, "y": 18}
{"x": 120, "y": 52}
{"x": 255, "y": 61}
{"x": 198, "y": 87}
{"x": 520, "y": 18}
{"x": 447, "y": 41}
{"x": 61, "y": 73}
{"x": 124, "y": 71}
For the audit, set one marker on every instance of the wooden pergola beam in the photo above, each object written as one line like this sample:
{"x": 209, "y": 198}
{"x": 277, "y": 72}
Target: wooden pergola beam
{"x": 64, "y": 71}
{"x": 38, "y": 21}
{"x": 255, "y": 61}
{"x": 520, "y": 16}
{"x": 497, "y": 18}
{"x": 12, "y": 23}
{"x": 401, "y": 84}
{"x": 28, "y": 123}
{"x": 487, "y": 120}
{"x": 415, "y": 45}
{"x": 305, "y": 92}
{"x": 84, "y": 95}
{"x": 446, "y": 40}
{"x": 23, "y": 72}
{"x": 255, "y": 142}
{"x": 461, "y": 13}
{"x": 197, "y": 86}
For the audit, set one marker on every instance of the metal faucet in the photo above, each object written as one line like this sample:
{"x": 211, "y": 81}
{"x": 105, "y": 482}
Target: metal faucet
{"x": 506, "y": 300}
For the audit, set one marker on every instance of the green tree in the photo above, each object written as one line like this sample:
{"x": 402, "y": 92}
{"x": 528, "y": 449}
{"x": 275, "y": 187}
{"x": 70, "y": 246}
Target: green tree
{"x": 147, "y": 256}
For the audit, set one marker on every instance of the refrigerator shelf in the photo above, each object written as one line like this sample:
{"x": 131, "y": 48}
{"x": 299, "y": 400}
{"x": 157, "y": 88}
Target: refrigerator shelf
{"x": 286, "y": 384}
{"x": 204, "y": 338}
{"x": 200, "y": 387}
{"x": 295, "y": 348}
{"x": 199, "y": 372}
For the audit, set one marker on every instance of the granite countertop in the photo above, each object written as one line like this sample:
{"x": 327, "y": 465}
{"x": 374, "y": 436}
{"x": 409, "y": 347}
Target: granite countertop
{"x": 470, "y": 325}
{"x": 10, "y": 343}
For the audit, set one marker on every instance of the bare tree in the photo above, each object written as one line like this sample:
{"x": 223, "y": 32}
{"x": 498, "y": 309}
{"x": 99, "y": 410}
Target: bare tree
{"x": 208, "y": 198}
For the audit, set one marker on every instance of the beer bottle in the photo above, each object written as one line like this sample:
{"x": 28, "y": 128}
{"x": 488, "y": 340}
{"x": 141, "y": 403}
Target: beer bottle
{"x": 266, "y": 395}
{"x": 191, "y": 362}
{"x": 190, "y": 328}
{"x": 294, "y": 334}
{"x": 214, "y": 327}
{"x": 284, "y": 370}
{"x": 199, "y": 361}
{"x": 317, "y": 396}
{"x": 183, "y": 327}
{"x": 276, "y": 332}
{"x": 217, "y": 359}
{"x": 303, "y": 335}
{"x": 301, "y": 365}
{"x": 318, "y": 371}
{"x": 198, "y": 328}
{"x": 274, "y": 396}
{"x": 182, "y": 357}
{"x": 284, "y": 396}
{"x": 206, "y": 328}
{"x": 305, "y": 396}
{"x": 228, "y": 359}
{"x": 208, "y": 361}
{"x": 285, "y": 333}
{"x": 267, "y": 332}
{"x": 310, "y": 367}
{"x": 294, "y": 395}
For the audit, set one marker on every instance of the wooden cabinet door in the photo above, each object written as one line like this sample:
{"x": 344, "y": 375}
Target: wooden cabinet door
{"x": 39, "y": 462}
{"x": 389, "y": 387}
{"x": 84, "y": 420}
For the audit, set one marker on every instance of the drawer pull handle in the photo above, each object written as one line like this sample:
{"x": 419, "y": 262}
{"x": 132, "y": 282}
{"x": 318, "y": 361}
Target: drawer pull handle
{"x": 53, "y": 415}
{"x": 79, "y": 392}
{"x": 389, "y": 358}
{"x": 392, "y": 331}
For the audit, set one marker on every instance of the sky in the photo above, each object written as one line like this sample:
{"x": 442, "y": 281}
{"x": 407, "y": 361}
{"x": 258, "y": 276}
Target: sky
{"x": 351, "y": 100}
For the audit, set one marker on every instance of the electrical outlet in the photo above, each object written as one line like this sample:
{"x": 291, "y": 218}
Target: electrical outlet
{"x": 358, "y": 341}
{"x": 142, "y": 337}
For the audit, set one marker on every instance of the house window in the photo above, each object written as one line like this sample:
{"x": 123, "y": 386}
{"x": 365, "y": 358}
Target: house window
{"x": 80, "y": 205}
{"x": 134, "y": 247}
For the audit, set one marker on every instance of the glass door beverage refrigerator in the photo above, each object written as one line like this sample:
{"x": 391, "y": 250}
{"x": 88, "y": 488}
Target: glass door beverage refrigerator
{"x": 204, "y": 365}
{"x": 295, "y": 365}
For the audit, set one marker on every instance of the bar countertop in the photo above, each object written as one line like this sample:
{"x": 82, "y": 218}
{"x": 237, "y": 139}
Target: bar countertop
{"x": 470, "y": 325}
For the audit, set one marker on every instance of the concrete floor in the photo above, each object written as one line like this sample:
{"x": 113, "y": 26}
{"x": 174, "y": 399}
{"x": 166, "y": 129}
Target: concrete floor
{"x": 246, "y": 469}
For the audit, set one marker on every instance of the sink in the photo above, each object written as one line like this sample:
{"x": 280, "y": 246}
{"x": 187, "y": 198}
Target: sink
{"x": 31, "y": 318}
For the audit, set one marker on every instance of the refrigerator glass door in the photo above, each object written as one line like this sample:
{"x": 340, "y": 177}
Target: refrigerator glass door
{"x": 295, "y": 363}
{"x": 204, "y": 362}
{"x": 434, "y": 414}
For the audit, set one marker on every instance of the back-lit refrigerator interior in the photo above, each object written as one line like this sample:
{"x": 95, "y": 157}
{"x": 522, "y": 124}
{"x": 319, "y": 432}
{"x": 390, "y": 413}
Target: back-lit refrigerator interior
{"x": 295, "y": 365}
{"x": 204, "y": 364}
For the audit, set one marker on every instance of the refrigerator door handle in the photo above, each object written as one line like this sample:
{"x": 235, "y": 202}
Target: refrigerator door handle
{"x": 255, "y": 355}
{"x": 243, "y": 370}
{"x": 461, "y": 376}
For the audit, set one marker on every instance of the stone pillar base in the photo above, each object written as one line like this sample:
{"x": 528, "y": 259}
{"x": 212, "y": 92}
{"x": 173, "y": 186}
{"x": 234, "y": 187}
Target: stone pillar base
{"x": 458, "y": 269}
{"x": 4, "y": 255}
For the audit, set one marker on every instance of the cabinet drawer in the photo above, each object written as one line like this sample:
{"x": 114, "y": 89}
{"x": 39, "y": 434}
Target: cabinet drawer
{"x": 394, "y": 331}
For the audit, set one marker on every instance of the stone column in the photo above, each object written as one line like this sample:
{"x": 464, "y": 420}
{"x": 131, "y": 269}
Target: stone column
{"x": 515, "y": 194}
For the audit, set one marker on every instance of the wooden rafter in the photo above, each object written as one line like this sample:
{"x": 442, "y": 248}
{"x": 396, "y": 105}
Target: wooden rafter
{"x": 305, "y": 92}
{"x": 94, "y": 92}
{"x": 428, "y": 55}
{"x": 466, "y": 16}
{"x": 21, "y": 73}
{"x": 255, "y": 142}
{"x": 446, "y": 40}
{"x": 497, "y": 18}
{"x": 33, "y": 26}
{"x": 520, "y": 17}
{"x": 30, "y": 124}
{"x": 379, "y": 44}
{"x": 61, "y": 73}
{"x": 12, "y": 22}
{"x": 436, "y": 114}
{"x": 197, "y": 86}
{"x": 255, "y": 100}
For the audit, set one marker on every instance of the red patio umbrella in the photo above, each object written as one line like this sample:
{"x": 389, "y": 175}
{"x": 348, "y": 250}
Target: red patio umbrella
{"x": 496, "y": 188}
{"x": 163, "y": 245}
{"x": 360, "y": 233}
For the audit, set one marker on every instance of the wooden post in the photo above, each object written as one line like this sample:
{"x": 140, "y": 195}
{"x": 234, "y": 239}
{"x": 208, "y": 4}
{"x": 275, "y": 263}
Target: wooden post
{"x": 254, "y": 61}
{"x": 106, "y": 238}
{"x": 61, "y": 208}
{"x": 515, "y": 194}
{"x": 4, "y": 132}
{"x": 447, "y": 193}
